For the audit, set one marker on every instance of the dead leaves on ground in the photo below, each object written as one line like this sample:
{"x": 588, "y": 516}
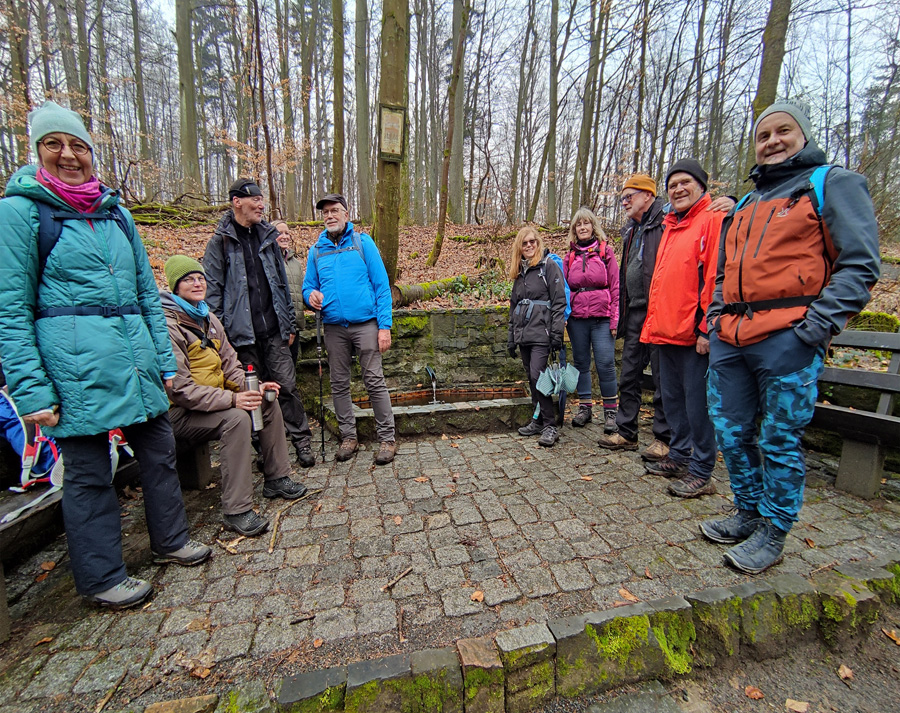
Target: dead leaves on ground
{"x": 892, "y": 635}
{"x": 796, "y": 706}
{"x": 845, "y": 672}
{"x": 477, "y": 596}
{"x": 754, "y": 693}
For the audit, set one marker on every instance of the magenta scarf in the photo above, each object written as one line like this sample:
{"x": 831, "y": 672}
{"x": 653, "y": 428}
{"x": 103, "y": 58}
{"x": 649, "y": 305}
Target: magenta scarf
{"x": 82, "y": 198}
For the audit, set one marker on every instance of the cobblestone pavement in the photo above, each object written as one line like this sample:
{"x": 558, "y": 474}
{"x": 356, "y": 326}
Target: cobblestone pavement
{"x": 539, "y": 532}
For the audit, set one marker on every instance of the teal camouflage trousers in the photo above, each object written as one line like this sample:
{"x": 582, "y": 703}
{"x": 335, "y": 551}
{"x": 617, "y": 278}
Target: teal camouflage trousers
{"x": 761, "y": 398}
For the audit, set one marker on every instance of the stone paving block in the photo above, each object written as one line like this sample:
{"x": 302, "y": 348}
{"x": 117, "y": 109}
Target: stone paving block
{"x": 535, "y": 582}
{"x": 312, "y": 692}
{"x": 650, "y": 697}
{"x": 571, "y": 576}
{"x": 497, "y": 591}
{"x": 232, "y": 642}
{"x": 849, "y": 608}
{"x": 108, "y": 670}
{"x": 251, "y": 697}
{"x": 458, "y": 602}
{"x": 672, "y": 622}
{"x": 376, "y": 617}
{"x": 483, "y": 676}
{"x": 378, "y": 685}
{"x": 437, "y": 683}
{"x": 762, "y": 628}
{"x": 717, "y": 621}
{"x": 197, "y": 704}
{"x": 800, "y": 608}
{"x": 884, "y": 581}
{"x": 58, "y": 674}
{"x": 528, "y": 655}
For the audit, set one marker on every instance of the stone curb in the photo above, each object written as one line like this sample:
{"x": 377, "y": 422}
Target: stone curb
{"x": 521, "y": 669}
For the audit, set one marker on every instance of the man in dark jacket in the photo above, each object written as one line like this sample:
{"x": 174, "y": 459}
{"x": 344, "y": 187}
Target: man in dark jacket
{"x": 248, "y": 291}
{"x": 640, "y": 242}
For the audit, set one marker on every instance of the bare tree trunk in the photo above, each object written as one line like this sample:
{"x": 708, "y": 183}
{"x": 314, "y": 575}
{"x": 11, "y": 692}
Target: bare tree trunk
{"x": 587, "y": 114}
{"x": 361, "y": 72}
{"x": 44, "y": 25}
{"x": 391, "y": 91}
{"x": 511, "y": 215}
{"x": 270, "y": 174}
{"x": 105, "y": 105}
{"x": 67, "y": 50}
{"x": 337, "y": 160}
{"x": 16, "y": 12}
{"x": 187, "y": 95}
{"x": 451, "y": 127}
{"x": 847, "y": 87}
{"x": 141, "y": 102}
{"x": 455, "y": 197}
{"x": 645, "y": 36}
{"x": 287, "y": 112}
{"x": 84, "y": 60}
{"x": 307, "y": 35}
{"x": 698, "y": 94}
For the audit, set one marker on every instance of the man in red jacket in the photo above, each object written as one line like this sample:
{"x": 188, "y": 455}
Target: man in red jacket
{"x": 681, "y": 290}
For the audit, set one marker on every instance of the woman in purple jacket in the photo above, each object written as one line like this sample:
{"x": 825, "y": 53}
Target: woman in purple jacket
{"x": 593, "y": 275}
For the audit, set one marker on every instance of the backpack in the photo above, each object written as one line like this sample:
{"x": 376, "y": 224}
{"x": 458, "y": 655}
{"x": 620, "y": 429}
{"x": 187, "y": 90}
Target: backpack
{"x": 357, "y": 246}
{"x": 585, "y": 254}
{"x": 816, "y": 187}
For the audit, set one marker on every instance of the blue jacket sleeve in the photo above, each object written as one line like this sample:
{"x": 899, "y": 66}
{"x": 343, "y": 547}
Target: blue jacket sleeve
{"x": 558, "y": 260}
{"x": 850, "y": 217}
{"x": 380, "y": 284}
{"x": 148, "y": 300}
{"x": 23, "y": 366}
{"x": 311, "y": 276}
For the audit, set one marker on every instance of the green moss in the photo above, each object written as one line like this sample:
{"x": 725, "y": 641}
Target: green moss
{"x": 362, "y": 698}
{"x": 890, "y": 589}
{"x": 799, "y": 612}
{"x": 410, "y": 324}
{"x": 414, "y": 255}
{"x": 231, "y": 703}
{"x": 476, "y": 679}
{"x": 722, "y": 620}
{"x": 620, "y": 638}
{"x": 675, "y": 635}
{"x": 849, "y": 598}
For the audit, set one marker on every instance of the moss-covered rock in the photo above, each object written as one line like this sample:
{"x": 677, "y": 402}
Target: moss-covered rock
{"x": 673, "y": 625}
{"x": 717, "y": 622}
{"x": 849, "y": 608}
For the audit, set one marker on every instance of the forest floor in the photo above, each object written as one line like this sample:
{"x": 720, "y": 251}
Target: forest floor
{"x": 481, "y": 252}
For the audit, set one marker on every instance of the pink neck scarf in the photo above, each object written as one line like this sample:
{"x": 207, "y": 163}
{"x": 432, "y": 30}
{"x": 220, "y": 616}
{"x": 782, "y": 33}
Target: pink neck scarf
{"x": 82, "y": 198}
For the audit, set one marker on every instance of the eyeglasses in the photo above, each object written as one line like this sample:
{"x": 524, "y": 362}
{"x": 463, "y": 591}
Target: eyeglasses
{"x": 194, "y": 279}
{"x": 626, "y": 198}
{"x": 529, "y": 242}
{"x": 56, "y": 146}
{"x": 332, "y": 211}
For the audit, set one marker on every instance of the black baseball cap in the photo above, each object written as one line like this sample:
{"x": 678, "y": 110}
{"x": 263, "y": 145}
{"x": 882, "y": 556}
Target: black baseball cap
{"x": 332, "y": 198}
{"x": 244, "y": 188}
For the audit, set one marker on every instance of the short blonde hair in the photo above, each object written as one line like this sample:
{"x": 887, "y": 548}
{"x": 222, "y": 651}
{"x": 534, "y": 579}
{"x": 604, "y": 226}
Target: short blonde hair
{"x": 529, "y": 231}
{"x": 585, "y": 213}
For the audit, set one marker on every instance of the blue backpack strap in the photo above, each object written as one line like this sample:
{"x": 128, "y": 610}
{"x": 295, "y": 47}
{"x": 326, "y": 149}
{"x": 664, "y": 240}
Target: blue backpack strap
{"x": 817, "y": 183}
{"x": 49, "y": 230}
{"x": 357, "y": 243}
{"x": 740, "y": 204}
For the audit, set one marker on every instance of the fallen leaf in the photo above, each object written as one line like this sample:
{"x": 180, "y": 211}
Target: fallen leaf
{"x": 586, "y": 477}
{"x": 45, "y": 640}
{"x": 753, "y": 692}
{"x": 845, "y": 672}
{"x": 398, "y": 520}
{"x": 625, "y": 594}
{"x": 454, "y": 445}
{"x": 892, "y": 635}
{"x": 809, "y": 542}
{"x": 444, "y": 437}
{"x": 200, "y": 672}
{"x": 618, "y": 603}
{"x": 527, "y": 457}
{"x": 647, "y": 573}
{"x": 318, "y": 507}
{"x": 421, "y": 479}
{"x": 198, "y": 624}
{"x": 796, "y": 706}
{"x": 477, "y": 596}
{"x": 47, "y": 566}
{"x": 317, "y": 643}
{"x": 41, "y": 577}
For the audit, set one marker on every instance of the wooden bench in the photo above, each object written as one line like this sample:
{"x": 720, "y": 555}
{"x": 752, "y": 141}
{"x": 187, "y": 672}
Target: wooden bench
{"x": 865, "y": 433}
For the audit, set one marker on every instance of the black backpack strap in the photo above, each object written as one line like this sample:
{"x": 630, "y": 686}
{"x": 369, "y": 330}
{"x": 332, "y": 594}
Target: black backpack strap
{"x": 49, "y": 230}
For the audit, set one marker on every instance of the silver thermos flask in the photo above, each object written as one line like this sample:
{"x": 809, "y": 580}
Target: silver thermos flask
{"x": 251, "y": 383}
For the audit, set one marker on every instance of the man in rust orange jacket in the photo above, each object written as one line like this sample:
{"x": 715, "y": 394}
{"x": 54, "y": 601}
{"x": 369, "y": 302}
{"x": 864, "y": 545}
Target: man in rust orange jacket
{"x": 681, "y": 291}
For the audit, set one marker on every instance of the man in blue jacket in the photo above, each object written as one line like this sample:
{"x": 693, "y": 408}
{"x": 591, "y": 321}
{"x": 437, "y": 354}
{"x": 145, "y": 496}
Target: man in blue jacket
{"x": 346, "y": 281}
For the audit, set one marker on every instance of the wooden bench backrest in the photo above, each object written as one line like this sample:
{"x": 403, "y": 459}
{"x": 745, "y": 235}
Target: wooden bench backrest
{"x": 888, "y": 383}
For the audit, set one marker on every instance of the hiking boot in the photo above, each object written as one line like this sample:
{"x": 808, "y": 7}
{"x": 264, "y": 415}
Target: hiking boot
{"x": 735, "y": 528}
{"x": 386, "y": 452}
{"x": 609, "y": 420}
{"x": 349, "y": 446}
{"x": 192, "y": 553}
{"x": 531, "y": 429}
{"x": 656, "y": 451}
{"x": 666, "y": 467}
{"x": 617, "y": 442}
{"x": 128, "y": 593}
{"x": 305, "y": 456}
{"x": 248, "y": 524}
{"x": 763, "y": 549}
{"x": 692, "y": 486}
{"x": 584, "y": 415}
{"x": 549, "y": 436}
{"x": 283, "y": 487}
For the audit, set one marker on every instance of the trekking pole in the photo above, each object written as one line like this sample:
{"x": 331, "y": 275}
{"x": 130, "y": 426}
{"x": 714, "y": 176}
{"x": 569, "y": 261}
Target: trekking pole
{"x": 321, "y": 399}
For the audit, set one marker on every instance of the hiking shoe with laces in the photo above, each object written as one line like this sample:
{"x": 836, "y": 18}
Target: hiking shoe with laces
{"x": 248, "y": 524}
{"x": 735, "y": 528}
{"x": 283, "y": 487}
{"x": 349, "y": 446}
{"x": 692, "y": 486}
{"x": 386, "y": 452}
{"x": 656, "y": 451}
{"x": 549, "y": 436}
{"x": 584, "y": 416}
{"x": 666, "y": 467}
{"x": 305, "y": 456}
{"x": 609, "y": 420}
{"x": 130, "y": 592}
{"x": 763, "y": 549}
{"x": 617, "y": 442}
{"x": 532, "y": 428}
{"x": 192, "y": 553}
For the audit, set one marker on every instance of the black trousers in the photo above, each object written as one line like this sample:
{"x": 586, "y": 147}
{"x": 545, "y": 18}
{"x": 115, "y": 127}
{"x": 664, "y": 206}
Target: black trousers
{"x": 91, "y": 509}
{"x": 534, "y": 359}
{"x": 635, "y": 357}
{"x": 271, "y": 358}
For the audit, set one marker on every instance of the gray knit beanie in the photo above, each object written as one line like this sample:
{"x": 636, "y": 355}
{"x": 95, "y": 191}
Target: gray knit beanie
{"x": 50, "y": 118}
{"x": 798, "y": 110}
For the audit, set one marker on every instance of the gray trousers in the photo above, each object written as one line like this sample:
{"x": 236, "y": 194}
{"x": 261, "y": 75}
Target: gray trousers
{"x": 232, "y": 428}
{"x": 340, "y": 342}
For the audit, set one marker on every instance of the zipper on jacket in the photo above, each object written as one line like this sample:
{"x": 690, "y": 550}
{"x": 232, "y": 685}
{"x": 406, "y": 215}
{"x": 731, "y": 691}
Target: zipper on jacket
{"x": 744, "y": 251}
{"x": 737, "y": 233}
{"x": 763, "y": 233}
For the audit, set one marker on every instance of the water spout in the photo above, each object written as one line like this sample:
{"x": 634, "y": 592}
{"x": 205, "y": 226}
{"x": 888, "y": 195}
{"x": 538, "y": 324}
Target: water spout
{"x": 433, "y": 378}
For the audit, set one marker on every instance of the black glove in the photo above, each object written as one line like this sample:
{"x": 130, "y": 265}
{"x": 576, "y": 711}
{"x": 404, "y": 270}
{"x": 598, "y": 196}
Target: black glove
{"x": 512, "y": 351}
{"x": 555, "y": 345}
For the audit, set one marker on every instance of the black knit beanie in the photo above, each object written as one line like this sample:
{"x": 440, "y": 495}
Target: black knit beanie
{"x": 692, "y": 167}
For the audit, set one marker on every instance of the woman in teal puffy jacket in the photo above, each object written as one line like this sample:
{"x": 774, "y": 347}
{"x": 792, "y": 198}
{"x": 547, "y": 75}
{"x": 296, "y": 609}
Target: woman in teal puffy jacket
{"x": 85, "y": 350}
